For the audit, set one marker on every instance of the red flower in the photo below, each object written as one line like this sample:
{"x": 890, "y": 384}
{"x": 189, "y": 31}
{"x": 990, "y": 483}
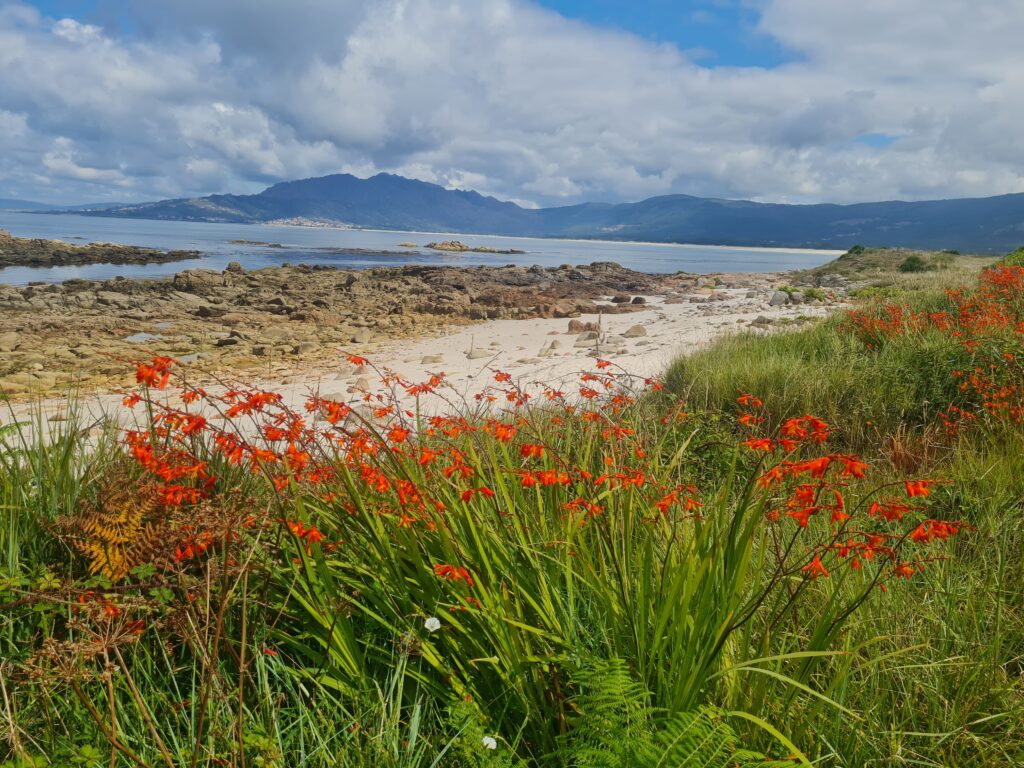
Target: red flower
{"x": 917, "y": 487}
{"x": 156, "y": 374}
{"x": 852, "y": 466}
{"x": 531, "y": 451}
{"x": 454, "y": 573}
{"x": 815, "y": 568}
{"x": 398, "y": 435}
{"x": 904, "y": 570}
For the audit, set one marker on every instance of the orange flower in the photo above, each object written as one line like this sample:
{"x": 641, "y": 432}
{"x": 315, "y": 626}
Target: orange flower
{"x": 504, "y": 432}
{"x": 398, "y": 435}
{"x": 890, "y": 510}
{"x": 454, "y": 573}
{"x": 917, "y": 487}
{"x": 815, "y": 568}
{"x": 904, "y": 570}
{"x": 930, "y": 530}
{"x": 192, "y": 424}
{"x": 803, "y": 515}
{"x": 852, "y": 466}
{"x": 817, "y": 467}
{"x": 427, "y": 456}
{"x": 531, "y": 451}
{"x": 156, "y": 374}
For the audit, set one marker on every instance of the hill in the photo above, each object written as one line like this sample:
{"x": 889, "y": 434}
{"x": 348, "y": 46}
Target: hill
{"x": 385, "y": 201}
{"x": 9, "y": 204}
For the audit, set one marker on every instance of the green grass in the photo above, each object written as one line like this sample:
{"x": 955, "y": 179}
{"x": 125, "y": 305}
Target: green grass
{"x": 622, "y": 637}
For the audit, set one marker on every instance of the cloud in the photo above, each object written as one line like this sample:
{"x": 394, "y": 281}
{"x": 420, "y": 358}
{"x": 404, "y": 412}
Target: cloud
{"x": 160, "y": 99}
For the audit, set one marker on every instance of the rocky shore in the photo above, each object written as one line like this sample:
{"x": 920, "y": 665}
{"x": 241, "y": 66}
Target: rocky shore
{"x": 33, "y": 252}
{"x": 285, "y": 317}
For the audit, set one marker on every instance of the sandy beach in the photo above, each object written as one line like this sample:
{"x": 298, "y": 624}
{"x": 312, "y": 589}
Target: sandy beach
{"x": 536, "y": 352}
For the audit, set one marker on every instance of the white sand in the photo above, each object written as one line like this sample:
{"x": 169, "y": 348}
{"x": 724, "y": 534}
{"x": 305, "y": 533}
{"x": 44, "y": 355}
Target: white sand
{"x": 534, "y": 352}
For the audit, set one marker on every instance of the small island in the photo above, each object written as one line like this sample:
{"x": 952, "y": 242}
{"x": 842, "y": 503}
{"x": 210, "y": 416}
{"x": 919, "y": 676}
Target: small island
{"x": 457, "y": 246}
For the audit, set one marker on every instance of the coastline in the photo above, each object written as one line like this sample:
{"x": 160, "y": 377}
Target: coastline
{"x": 537, "y": 353}
{"x": 603, "y": 241}
{"x": 597, "y": 240}
{"x": 283, "y": 321}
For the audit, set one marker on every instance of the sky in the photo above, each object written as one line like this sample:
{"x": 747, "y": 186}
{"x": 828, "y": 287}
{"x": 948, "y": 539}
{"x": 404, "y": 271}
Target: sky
{"x": 543, "y": 102}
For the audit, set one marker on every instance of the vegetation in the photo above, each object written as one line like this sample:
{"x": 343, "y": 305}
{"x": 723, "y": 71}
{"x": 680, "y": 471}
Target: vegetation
{"x": 1014, "y": 259}
{"x": 891, "y": 266}
{"x": 797, "y": 549}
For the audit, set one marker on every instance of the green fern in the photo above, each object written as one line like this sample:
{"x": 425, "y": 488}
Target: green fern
{"x": 616, "y": 727}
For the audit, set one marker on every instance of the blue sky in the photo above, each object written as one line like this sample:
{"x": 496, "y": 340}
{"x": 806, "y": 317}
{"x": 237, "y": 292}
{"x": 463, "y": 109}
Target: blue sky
{"x": 718, "y": 32}
{"x": 715, "y": 32}
{"x": 543, "y": 102}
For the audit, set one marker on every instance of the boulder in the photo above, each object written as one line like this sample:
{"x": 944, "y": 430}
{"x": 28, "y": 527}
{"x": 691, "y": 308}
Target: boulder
{"x": 8, "y": 341}
{"x": 112, "y": 299}
{"x": 193, "y": 279}
{"x": 578, "y": 327}
{"x": 635, "y": 332}
{"x": 778, "y": 299}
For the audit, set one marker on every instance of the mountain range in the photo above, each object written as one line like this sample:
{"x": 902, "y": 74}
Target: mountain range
{"x": 386, "y": 201}
{"x": 8, "y": 204}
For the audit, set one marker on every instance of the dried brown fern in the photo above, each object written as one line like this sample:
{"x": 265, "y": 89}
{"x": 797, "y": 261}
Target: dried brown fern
{"x": 123, "y": 527}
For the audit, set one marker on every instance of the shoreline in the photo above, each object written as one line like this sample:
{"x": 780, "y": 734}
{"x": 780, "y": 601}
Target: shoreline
{"x": 284, "y": 319}
{"x": 536, "y": 352}
{"x": 766, "y": 248}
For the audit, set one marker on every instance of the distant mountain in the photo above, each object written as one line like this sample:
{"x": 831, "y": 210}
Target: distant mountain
{"x": 7, "y": 204}
{"x": 386, "y": 201}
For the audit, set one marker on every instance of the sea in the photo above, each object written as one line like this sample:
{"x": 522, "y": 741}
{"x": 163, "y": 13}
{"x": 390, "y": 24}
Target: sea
{"x": 263, "y": 245}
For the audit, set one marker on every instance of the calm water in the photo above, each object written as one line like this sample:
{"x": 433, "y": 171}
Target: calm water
{"x": 313, "y": 246}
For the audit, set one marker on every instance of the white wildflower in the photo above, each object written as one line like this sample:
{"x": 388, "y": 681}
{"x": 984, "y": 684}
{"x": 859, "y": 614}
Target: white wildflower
{"x": 489, "y": 742}
{"x": 432, "y": 624}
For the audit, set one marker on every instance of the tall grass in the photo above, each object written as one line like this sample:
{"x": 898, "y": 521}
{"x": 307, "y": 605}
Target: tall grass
{"x": 630, "y": 577}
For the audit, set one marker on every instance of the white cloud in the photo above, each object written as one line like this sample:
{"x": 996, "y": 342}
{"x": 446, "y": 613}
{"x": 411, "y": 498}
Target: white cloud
{"x": 61, "y": 161}
{"x": 509, "y": 99}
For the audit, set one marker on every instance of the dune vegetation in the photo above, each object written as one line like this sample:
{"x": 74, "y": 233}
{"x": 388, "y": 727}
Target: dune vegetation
{"x": 802, "y": 548}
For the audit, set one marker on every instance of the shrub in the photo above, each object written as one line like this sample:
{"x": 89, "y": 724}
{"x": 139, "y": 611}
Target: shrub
{"x": 914, "y": 263}
{"x": 1013, "y": 259}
